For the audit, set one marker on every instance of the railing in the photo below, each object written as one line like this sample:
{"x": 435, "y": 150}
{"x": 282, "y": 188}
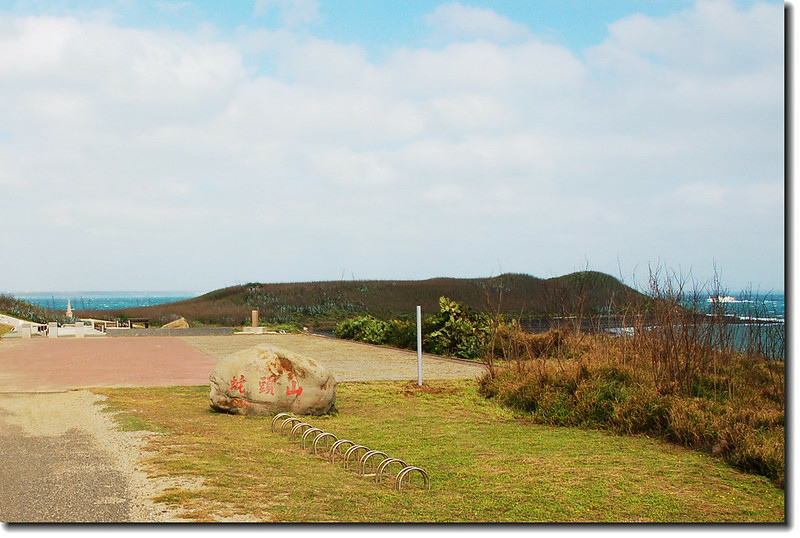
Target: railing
{"x": 370, "y": 463}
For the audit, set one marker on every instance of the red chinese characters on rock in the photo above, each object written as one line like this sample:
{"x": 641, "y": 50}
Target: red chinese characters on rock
{"x": 296, "y": 389}
{"x": 238, "y": 384}
{"x": 266, "y": 385}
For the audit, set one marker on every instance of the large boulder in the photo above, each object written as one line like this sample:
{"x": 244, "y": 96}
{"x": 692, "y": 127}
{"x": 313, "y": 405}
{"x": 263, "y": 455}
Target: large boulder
{"x": 265, "y": 380}
{"x": 179, "y": 323}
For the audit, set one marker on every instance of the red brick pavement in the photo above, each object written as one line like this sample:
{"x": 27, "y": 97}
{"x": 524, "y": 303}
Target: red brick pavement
{"x": 47, "y": 365}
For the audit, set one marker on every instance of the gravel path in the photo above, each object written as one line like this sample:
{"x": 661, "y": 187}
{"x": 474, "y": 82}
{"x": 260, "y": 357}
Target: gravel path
{"x": 347, "y": 360}
{"x": 63, "y": 460}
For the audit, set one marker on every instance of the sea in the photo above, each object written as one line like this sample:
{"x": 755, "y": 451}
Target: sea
{"x": 102, "y": 300}
{"x": 749, "y": 306}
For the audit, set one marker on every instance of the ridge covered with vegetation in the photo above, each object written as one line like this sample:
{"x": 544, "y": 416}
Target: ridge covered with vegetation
{"x": 324, "y": 304}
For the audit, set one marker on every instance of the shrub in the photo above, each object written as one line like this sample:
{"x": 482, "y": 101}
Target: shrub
{"x": 460, "y": 331}
{"x": 455, "y": 331}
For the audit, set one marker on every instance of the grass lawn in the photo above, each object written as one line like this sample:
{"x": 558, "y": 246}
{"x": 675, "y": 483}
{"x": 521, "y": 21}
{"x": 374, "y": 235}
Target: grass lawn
{"x": 485, "y": 464}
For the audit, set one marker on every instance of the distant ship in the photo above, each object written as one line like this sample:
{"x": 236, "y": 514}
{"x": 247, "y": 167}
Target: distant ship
{"x": 723, "y": 299}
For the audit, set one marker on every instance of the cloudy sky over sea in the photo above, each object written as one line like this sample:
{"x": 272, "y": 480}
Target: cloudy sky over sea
{"x": 199, "y": 144}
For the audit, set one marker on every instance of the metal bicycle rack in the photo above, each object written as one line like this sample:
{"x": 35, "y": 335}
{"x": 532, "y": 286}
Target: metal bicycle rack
{"x": 362, "y": 463}
{"x": 291, "y": 421}
{"x": 398, "y": 484}
{"x": 366, "y": 462}
{"x": 353, "y": 451}
{"x": 316, "y": 432}
{"x": 298, "y": 429}
{"x": 385, "y": 464}
{"x": 276, "y": 417}
{"x": 335, "y": 447}
{"x": 320, "y": 437}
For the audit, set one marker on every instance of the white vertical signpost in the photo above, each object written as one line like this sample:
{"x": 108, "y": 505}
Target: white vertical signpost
{"x": 419, "y": 346}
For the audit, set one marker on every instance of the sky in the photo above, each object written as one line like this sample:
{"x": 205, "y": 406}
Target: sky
{"x": 194, "y": 145}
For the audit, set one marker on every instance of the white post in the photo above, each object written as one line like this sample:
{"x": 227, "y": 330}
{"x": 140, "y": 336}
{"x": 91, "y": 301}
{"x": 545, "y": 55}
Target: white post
{"x": 419, "y": 346}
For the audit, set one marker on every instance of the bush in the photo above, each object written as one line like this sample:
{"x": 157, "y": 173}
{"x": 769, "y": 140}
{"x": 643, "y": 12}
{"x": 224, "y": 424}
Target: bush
{"x": 455, "y": 331}
{"x": 460, "y": 332}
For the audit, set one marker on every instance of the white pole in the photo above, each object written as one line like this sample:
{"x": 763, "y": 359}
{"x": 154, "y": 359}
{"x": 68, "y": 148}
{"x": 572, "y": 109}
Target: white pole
{"x": 419, "y": 346}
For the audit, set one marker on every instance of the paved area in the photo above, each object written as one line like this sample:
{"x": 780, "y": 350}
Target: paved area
{"x": 48, "y": 365}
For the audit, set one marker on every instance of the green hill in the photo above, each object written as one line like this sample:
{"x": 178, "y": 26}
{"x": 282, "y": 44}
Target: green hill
{"x": 322, "y": 304}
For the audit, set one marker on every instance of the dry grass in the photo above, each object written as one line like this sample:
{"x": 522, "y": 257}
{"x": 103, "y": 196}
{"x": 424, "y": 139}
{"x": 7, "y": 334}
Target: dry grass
{"x": 732, "y": 407}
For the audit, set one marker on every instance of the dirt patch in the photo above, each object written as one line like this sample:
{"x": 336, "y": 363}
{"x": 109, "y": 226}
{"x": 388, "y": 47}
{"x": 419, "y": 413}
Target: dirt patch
{"x": 412, "y": 388}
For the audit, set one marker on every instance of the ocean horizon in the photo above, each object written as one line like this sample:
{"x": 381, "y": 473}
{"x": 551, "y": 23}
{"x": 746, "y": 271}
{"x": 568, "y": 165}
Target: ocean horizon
{"x": 103, "y": 300}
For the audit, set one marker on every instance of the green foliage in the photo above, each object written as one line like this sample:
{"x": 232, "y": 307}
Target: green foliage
{"x": 461, "y": 332}
{"x": 456, "y": 331}
{"x": 396, "y": 332}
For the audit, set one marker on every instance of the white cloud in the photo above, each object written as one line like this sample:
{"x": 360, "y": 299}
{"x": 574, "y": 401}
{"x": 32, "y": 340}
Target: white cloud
{"x": 711, "y": 37}
{"x": 530, "y": 68}
{"x": 494, "y": 146}
{"x": 455, "y": 21}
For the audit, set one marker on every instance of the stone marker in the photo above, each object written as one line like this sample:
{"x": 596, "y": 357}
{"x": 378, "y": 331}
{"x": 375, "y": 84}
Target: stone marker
{"x": 265, "y": 380}
{"x": 52, "y": 329}
{"x": 254, "y": 318}
{"x": 25, "y": 330}
{"x": 79, "y": 330}
{"x": 180, "y": 323}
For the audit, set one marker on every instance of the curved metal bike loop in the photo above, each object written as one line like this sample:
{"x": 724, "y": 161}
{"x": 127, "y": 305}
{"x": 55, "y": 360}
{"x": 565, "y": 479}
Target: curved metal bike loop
{"x": 402, "y": 474}
{"x": 386, "y": 463}
{"x": 351, "y": 452}
{"x": 362, "y": 463}
{"x": 275, "y": 419}
{"x": 298, "y": 426}
{"x": 308, "y": 432}
{"x": 336, "y": 445}
{"x": 290, "y": 420}
{"x": 318, "y": 438}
